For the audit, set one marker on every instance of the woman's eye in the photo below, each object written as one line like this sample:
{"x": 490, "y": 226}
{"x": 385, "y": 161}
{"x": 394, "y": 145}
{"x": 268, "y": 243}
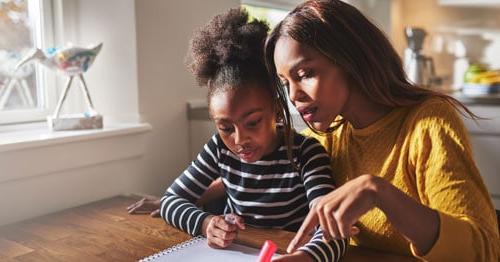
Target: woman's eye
{"x": 304, "y": 74}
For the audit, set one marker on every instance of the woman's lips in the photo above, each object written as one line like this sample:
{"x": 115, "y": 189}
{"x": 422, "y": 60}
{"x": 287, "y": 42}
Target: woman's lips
{"x": 307, "y": 113}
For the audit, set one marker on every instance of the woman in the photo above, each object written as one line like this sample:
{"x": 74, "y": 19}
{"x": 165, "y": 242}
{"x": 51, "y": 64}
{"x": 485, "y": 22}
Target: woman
{"x": 407, "y": 175}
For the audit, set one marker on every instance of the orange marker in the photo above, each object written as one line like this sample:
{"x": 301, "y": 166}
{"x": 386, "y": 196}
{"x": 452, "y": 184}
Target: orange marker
{"x": 267, "y": 251}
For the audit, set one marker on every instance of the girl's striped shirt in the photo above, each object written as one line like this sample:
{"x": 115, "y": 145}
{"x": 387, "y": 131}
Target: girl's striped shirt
{"x": 268, "y": 193}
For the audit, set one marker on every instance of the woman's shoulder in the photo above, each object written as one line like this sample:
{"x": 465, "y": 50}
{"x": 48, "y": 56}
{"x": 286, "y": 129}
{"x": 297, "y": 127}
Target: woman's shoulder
{"x": 435, "y": 113}
{"x": 434, "y": 107}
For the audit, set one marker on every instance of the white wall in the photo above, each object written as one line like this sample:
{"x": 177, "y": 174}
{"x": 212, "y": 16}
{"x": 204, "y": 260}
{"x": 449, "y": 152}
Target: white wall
{"x": 163, "y": 31}
{"x": 140, "y": 71}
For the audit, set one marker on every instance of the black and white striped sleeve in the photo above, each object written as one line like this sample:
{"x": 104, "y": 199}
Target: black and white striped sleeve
{"x": 178, "y": 204}
{"x": 315, "y": 169}
{"x": 321, "y": 250}
{"x": 318, "y": 181}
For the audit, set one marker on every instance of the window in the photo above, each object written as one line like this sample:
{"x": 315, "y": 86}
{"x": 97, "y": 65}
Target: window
{"x": 273, "y": 12}
{"x": 24, "y": 93}
{"x": 272, "y": 15}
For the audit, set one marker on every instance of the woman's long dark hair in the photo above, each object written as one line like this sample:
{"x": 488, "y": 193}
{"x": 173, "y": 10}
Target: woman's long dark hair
{"x": 348, "y": 39}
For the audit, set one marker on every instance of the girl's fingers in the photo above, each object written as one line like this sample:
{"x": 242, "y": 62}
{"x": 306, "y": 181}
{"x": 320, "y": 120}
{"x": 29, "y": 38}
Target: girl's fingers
{"x": 138, "y": 203}
{"x": 223, "y": 234}
{"x": 240, "y": 222}
{"x": 155, "y": 213}
{"x": 223, "y": 224}
{"x": 133, "y": 205}
{"x": 132, "y": 210}
{"x": 216, "y": 242}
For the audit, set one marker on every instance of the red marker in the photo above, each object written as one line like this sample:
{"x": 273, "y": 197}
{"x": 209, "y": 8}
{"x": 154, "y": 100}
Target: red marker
{"x": 267, "y": 251}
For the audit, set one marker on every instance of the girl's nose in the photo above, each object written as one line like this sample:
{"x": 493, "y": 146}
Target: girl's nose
{"x": 240, "y": 136}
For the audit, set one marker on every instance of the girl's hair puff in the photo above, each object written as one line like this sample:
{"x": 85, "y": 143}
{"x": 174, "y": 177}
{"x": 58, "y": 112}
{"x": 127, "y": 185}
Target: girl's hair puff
{"x": 228, "y": 53}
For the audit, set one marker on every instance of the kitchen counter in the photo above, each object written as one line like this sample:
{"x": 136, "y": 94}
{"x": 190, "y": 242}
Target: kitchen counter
{"x": 490, "y": 100}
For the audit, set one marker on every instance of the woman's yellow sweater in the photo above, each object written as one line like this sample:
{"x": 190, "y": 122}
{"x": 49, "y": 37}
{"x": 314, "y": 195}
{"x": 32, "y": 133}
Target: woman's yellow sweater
{"x": 425, "y": 152}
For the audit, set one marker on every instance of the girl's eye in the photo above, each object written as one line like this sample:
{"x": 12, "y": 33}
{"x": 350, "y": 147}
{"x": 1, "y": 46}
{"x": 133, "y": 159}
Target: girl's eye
{"x": 226, "y": 130}
{"x": 254, "y": 123}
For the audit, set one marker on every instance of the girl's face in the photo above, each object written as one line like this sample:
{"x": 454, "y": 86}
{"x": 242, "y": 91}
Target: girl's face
{"x": 246, "y": 121}
{"x": 317, "y": 87}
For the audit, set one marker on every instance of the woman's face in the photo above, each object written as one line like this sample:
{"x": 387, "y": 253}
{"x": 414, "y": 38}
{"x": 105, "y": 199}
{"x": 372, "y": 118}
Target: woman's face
{"x": 317, "y": 87}
{"x": 246, "y": 121}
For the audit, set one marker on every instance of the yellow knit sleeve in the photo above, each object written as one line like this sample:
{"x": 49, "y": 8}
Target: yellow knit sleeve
{"x": 449, "y": 182}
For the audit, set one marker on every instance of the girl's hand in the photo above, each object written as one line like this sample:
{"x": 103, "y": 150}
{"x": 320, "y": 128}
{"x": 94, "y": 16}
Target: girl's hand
{"x": 299, "y": 256}
{"x": 338, "y": 211}
{"x": 219, "y": 232}
{"x": 147, "y": 205}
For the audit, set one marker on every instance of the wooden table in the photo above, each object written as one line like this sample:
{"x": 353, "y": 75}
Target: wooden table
{"x": 104, "y": 231}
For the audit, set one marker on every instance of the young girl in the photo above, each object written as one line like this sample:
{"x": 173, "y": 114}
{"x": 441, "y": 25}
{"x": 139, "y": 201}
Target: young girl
{"x": 271, "y": 176}
{"x": 401, "y": 152}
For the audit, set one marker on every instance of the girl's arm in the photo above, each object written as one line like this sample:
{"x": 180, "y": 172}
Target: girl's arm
{"x": 178, "y": 204}
{"x": 318, "y": 182}
{"x": 151, "y": 204}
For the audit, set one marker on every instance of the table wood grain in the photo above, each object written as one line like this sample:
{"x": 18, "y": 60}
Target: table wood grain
{"x": 104, "y": 231}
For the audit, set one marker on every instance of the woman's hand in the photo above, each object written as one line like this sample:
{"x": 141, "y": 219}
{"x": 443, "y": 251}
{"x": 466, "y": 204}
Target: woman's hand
{"x": 299, "y": 256}
{"x": 219, "y": 232}
{"x": 338, "y": 211}
{"x": 147, "y": 205}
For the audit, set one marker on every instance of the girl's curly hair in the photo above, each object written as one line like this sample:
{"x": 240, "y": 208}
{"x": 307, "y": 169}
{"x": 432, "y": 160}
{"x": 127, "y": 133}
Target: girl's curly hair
{"x": 228, "y": 53}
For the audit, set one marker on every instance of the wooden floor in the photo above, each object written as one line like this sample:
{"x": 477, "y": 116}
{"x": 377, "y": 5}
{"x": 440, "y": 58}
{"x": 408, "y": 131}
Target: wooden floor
{"x": 102, "y": 231}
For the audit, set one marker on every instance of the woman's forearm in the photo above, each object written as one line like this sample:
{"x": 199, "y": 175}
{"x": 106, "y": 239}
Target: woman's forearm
{"x": 418, "y": 223}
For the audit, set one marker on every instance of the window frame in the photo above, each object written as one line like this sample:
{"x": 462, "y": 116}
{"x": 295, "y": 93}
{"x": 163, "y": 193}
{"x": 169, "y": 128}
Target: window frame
{"x": 47, "y": 85}
{"x": 286, "y": 5}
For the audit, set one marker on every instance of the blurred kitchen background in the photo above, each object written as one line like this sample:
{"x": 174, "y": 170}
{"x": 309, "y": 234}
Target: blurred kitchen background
{"x": 158, "y": 115}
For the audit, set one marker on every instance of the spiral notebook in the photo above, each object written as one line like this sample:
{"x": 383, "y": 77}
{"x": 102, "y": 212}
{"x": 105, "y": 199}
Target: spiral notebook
{"x": 197, "y": 249}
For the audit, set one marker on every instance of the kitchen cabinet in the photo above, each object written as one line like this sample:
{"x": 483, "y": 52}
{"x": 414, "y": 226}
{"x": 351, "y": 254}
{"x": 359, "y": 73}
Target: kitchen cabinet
{"x": 487, "y": 152}
{"x": 469, "y": 3}
{"x": 485, "y": 140}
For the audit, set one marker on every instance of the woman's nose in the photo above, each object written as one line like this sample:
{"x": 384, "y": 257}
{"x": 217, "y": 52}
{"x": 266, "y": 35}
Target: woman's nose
{"x": 295, "y": 92}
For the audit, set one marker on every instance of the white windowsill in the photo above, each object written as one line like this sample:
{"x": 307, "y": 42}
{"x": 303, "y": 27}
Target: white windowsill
{"x": 37, "y": 135}
{"x": 31, "y": 150}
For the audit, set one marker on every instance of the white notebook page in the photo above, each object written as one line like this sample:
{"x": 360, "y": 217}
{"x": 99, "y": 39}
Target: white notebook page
{"x": 197, "y": 249}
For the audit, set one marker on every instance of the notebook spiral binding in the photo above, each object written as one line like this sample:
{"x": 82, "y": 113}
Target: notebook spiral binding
{"x": 173, "y": 249}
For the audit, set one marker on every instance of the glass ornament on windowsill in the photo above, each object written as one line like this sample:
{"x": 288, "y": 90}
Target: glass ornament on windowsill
{"x": 72, "y": 62}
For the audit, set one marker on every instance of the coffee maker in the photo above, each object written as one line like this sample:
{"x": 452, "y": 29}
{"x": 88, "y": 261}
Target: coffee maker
{"x": 419, "y": 68}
